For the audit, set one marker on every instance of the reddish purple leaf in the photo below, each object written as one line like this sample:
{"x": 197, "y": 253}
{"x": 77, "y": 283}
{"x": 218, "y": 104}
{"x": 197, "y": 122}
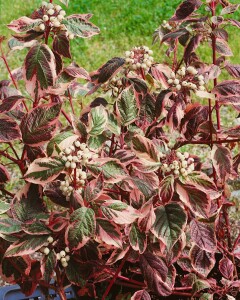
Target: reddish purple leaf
{"x": 173, "y": 35}
{"x": 23, "y": 24}
{"x": 4, "y": 174}
{"x": 10, "y": 103}
{"x": 39, "y": 125}
{"x": 227, "y": 88}
{"x": 61, "y": 44}
{"x": 223, "y": 48}
{"x": 222, "y": 161}
{"x": 197, "y": 200}
{"x": 203, "y": 235}
{"x": 155, "y": 272}
{"x": 109, "y": 232}
{"x": 9, "y": 129}
{"x": 191, "y": 47}
{"x": 234, "y": 23}
{"x": 233, "y": 70}
{"x": 141, "y": 295}
{"x": 39, "y": 70}
{"x": 185, "y": 9}
{"x": 202, "y": 261}
{"x": 77, "y": 72}
{"x": 226, "y": 267}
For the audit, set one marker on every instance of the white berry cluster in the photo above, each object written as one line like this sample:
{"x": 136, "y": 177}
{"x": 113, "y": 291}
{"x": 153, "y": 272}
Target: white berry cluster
{"x": 187, "y": 78}
{"x": 166, "y": 25}
{"x": 67, "y": 186}
{"x": 53, "y": 15}
{"x": 77, "y": 155}
{"x": 181, "y": 165}
{"x": 45, "y": 250}
{"x": 139, "y": 58}
{"x": 63, "y": 257}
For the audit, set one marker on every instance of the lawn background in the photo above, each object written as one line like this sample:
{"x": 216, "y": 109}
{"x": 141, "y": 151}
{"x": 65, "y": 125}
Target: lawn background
{"x": 123, "y": 24}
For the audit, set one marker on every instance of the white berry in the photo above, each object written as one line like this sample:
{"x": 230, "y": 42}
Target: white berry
{"x": 62, "y": 253}
{"x": 46, "y": 251}
{"x": 50, "y": 239}
{"x": 50, "y": 11}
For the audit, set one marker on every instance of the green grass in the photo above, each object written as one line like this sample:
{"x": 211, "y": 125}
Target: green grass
{"x": 123, "y": 24}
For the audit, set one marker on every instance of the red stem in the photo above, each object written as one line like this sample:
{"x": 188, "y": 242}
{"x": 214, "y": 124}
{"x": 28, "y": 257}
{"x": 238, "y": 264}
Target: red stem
{"x": 112, "y": 145}
{"x": 14, "y": 151}
{"x": 66, "y": 116}
{"x": 115, "y": 276}
{"x": 70, "y": 100}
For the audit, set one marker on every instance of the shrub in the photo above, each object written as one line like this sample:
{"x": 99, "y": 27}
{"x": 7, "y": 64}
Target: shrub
{"x": 114, "y": 194}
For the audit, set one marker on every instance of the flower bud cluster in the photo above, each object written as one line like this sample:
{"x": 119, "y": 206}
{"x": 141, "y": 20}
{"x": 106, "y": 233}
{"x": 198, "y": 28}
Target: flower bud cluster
{"x": 63, "y": 257}
{"x": 187, "y": 78}
{"x": 181, "y": 165}
{"x": 45, "y": 250}
{"x": 166, "y": 25}
{"x": 139, "y": 58}
{"x": 77, "y": 180}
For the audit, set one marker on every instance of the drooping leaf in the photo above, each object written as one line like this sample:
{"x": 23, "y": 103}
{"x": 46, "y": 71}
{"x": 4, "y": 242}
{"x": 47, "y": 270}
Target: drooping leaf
{"x": 202, "y": 261}
{"x": 191, "y": 47}
{"x": 10, "y": 103}
{"x": 200, "y": 285}
{"x": 26, "y": 245}
{"x": 155, "y": 272}
{"x": 127, "y": 107}
{"x": 185, "y": 9}
{"x": 119, "y": 212}
{"x": 28, "y": 204}
{"x": 146, "y": 151}
{"x": 44, "y": 170}
{"x": 137, "y": 238}
{"x": 39, "y": 125}
{"x": 203, "y": 234}
{"x": 197, "y": 200}
{"x": 222, "y": 161}
{"x": 48, "y": 266}
{"x": 24, "y": 24}
{"x": 166, "y": 188}
{"x": 80, "y": 26}
{"x": 173, "y": 35}
{"x": 39, "y": 70}
{"x": 141, "y": 295}
{"x": 226, "y": 267}
{"x": 98, "y": 119}
{"x": 4, "y": 207}
{"x": 81, "y": 229}
{"x": 229, "y": 9}
{"x": 9, "y": 129}
{"x": 4, "y": 174}
{"x": 112, "y": 170}
{"x": 233, "y": 70}
{"x": 61, "y": 44}
{"x": 77, "y": 272}
{"x": 223, "y": 48}
{"x": 109, "y": 233}
{"x": 227, "y": 88}
{"x": 169, "y": 224}
{"x": 75, "y": 71}
{"x": 9, "y": 226}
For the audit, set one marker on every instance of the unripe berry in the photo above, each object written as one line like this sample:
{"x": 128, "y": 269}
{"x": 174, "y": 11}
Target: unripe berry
{"x": 67, "y": 164}
{"x": 178, "y": 87}
{"x": 67, "y": 249}
{"x": 50, "y": 239}
{"x": 172, "y": 75}
{"x": 127, "y": 53}
{"x": 44, "y": 3}
{"x": 176, "y": 172}
{"x": 63, "y": 259}
{"x": 45, "y": 18}
{"x": 71, "y": 36}
{"x": 64, "y": 264}
{"x": 46, "y": 251}
{"x": 58, "y": 257}
{"x": 67, "y": 257}
{"x": 42, "y": 27}
{"x": 201, "y": 88}
{"x": 62, "y": 12}
{"x": 58, "y": 7}
{"x": 184, "y": 83}
{"x": 73, "y": 165}
{"x": 200, "y": 77}
{"x": 67, "y": 151}
{"x": 50, "y": 12}
{"x": 184, "y": 164}
{"x": 69, "y": 157}
{"x": 170, "y": 81}
{"x": 176, "y": 81}
{"x": 60, "y": 17}
{"x": 56, "y": 23}
{"x": 201, "y": 82}
{"x": 186, "y": 154}
{"x": 50, "y": 5}
{"x": 72, "y": 148}
{"x": 77, "y": 144}
{"x": 62, "y": 253}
